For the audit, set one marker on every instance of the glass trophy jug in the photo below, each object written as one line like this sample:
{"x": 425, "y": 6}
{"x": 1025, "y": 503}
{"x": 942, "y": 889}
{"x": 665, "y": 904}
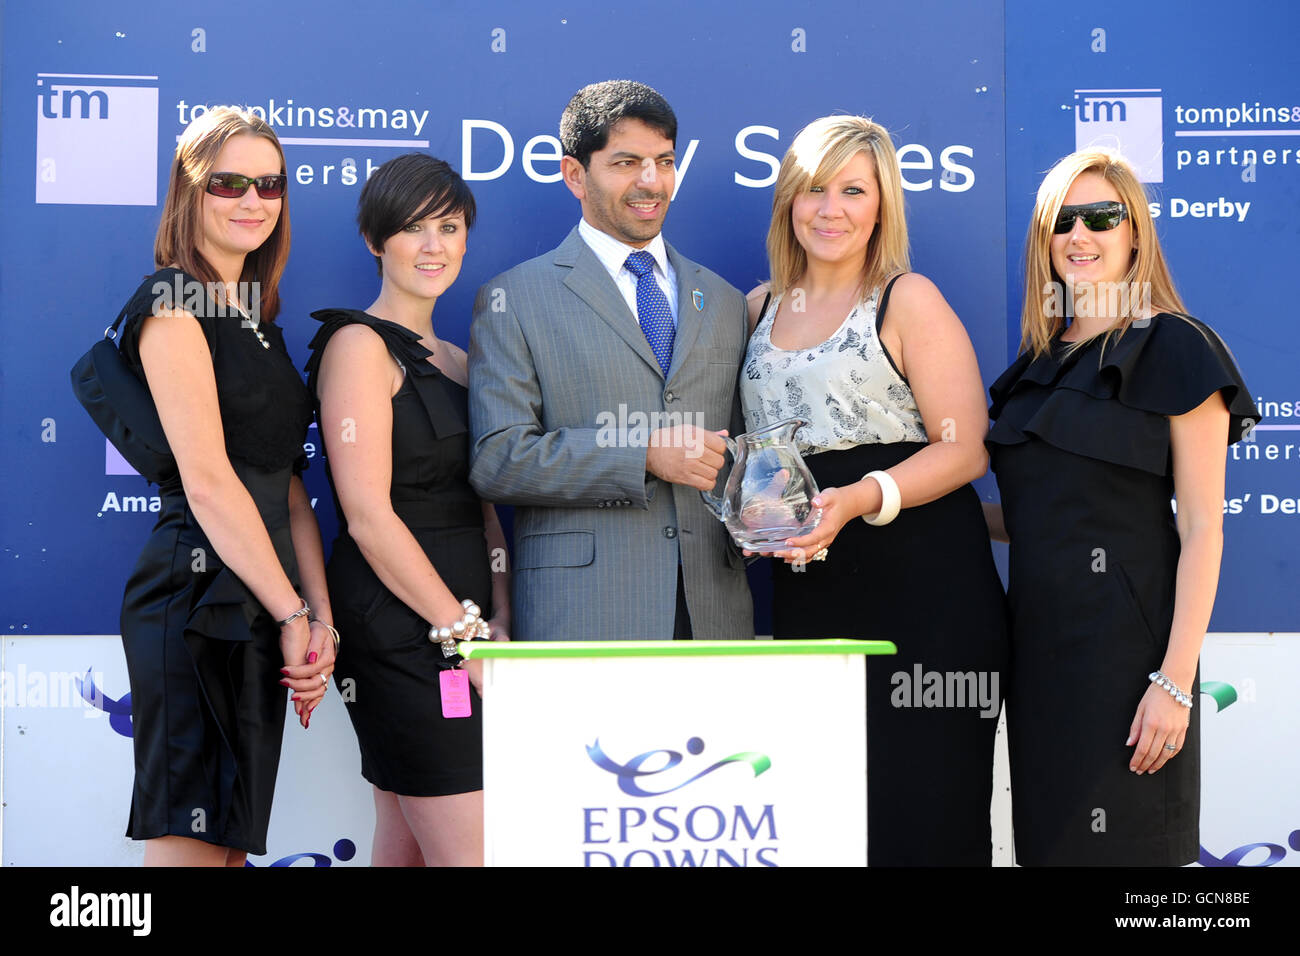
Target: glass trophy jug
{"x": 769, "y": 492}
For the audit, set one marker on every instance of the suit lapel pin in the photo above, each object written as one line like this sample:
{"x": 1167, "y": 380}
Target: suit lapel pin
{"x": 698, "y": 298}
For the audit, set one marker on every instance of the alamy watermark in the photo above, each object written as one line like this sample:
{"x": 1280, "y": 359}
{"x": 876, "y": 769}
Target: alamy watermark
{"x": 77, "y": 908}
{"x": 922, "y": 688}
{"x": 1087, "y": 300}
{"x": 632, "y": 429}
{"x": 215, "y": 300}
{"x": 61, "y": 689}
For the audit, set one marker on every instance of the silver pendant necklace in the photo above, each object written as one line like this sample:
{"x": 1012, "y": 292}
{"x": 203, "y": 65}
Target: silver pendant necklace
{"x": 248, "y": 323}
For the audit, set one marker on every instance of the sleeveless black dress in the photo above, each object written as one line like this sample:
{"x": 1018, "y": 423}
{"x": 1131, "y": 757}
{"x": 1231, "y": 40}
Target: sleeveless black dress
{"x": 927, "y": 582}
{"x": 202, "y": 654}
{"x": 1082, "y": 454}
{"x": 387, "y": 670}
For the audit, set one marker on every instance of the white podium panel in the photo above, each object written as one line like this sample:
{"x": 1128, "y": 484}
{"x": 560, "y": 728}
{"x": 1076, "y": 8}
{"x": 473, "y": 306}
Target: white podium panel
{"x": 700, "y": 754}
{"x": 66, "y": 766}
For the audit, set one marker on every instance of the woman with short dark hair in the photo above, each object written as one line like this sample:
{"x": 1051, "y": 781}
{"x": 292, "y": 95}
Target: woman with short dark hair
{"x": 410, "y": 564}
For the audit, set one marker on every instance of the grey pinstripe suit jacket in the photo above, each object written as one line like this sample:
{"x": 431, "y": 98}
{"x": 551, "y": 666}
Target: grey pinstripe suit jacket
{"x": 556, "y": 362}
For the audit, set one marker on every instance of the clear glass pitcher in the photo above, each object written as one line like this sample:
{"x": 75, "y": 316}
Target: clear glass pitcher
{"x": 769, "y": 492}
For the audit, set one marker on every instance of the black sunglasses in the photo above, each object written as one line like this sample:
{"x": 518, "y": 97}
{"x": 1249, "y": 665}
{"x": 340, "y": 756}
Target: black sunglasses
{"x": 234, "y": 185}
{"x": 1097, "y": 216}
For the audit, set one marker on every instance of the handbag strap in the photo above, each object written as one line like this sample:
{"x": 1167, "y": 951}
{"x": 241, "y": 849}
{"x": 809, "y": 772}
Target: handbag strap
{"x": 110, "y": 333}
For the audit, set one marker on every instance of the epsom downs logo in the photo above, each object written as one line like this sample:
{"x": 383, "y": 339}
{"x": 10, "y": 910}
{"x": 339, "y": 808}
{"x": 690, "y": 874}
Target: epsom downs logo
{"x": 725, "y": 833}
{"x": 629, "y": 773}
{"x": 96, "y": 139}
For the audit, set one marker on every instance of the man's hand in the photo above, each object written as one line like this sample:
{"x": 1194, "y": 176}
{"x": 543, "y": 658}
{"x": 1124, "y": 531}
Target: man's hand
{"x": 686, "y": 455}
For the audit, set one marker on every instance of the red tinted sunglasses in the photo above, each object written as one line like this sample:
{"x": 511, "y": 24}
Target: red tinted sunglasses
{"x": 234, "y": 185}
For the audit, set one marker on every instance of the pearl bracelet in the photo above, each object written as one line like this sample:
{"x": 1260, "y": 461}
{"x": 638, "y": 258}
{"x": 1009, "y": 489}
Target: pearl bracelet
{"x": 1160, "y": 680}
{"x": 468, "y": 628}
{"x": 890, "y": 499}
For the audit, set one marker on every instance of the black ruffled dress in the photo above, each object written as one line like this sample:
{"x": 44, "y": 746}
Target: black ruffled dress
{"x": 203, "y": 655}
{"x": 387, "y": 669}
{"x": 1081, "y": 450}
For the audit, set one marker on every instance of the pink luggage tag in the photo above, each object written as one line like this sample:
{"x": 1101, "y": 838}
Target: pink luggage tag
{"x": 455, "y": 693}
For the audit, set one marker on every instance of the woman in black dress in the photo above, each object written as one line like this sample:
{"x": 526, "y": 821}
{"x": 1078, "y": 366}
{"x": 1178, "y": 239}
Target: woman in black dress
{"x": 414, "y": 538}
{"x": 1118, "y": 403}
{"x": 873, "y": 357}
{"x": 230, "y": 588}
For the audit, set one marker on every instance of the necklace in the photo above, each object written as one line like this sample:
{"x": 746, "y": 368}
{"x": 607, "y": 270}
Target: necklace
{"x": 248, "y": 323}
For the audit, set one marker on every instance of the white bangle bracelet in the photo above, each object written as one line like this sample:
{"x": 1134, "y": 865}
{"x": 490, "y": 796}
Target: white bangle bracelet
{"x": 890, "y": 500}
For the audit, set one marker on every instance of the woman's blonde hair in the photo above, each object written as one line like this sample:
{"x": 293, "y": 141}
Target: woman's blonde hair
{"x": 181, "y": 227}
{"x": 1041, "y": 318}
{"x": 823, "y": 148}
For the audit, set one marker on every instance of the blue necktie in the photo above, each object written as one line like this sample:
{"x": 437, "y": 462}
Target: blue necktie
{"x": 652, "y": 309}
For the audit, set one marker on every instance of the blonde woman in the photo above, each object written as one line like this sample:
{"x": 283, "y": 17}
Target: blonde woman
{"x": 227, "y": 605}
{"x": 1117, "y": 403}
{"x": 874, "y": 359}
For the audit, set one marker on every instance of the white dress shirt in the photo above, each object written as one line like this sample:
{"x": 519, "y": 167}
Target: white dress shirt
{"x": 613, "y": 255}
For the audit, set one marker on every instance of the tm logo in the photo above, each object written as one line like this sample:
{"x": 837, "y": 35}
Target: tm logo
{"x": 1127, "y": 121}
{"x": 631, "y": 772}
{"x": 52, "y": 97}
{"x": 96, "y": 139}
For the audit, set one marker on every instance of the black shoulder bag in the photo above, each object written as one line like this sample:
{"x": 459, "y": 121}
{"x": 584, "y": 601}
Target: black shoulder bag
{"x": 122, "y": 407}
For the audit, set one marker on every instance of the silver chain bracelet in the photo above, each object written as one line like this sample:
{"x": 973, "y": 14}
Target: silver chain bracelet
{"x": 1160, "y": 680}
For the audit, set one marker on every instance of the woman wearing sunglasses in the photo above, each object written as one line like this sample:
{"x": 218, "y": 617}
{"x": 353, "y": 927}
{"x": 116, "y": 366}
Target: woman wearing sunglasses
{"x": 1117, "y": 403}
{"x": 872, "y": 356}
{"x": 410, "y": 568}
{"x": 227, "y": 604}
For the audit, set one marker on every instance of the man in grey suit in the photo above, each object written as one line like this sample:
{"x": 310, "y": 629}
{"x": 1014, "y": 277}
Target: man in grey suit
{"x": 600, "y": 375}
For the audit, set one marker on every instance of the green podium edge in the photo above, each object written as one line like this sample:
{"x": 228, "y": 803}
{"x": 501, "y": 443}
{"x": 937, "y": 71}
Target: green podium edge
{"x": 480, "y": 650}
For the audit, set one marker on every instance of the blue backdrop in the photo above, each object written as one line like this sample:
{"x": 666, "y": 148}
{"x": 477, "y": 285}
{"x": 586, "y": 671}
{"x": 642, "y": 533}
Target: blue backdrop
{"x": 982, "y": 99}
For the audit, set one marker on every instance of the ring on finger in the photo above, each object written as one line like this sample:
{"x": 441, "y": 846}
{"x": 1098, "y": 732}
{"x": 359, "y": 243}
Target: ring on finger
{"x": 821, "y": 554}
{"x": 324, "y": 680}
{"x": 1171, "y": 748}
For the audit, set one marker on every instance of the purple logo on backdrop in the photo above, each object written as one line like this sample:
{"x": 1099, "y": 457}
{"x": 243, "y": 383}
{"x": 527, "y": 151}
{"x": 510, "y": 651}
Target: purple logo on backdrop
{"x": 344, "y": 850}
{"x": 119, "y": 711}
{"x": 114, "y": 463}
{"x": 629, "y": 773}
{"x": 1128, "y": 121}
{"x": 1224, "y": 695}
{"x": 96, "y": 139}
{"x": 1275, "y": 853}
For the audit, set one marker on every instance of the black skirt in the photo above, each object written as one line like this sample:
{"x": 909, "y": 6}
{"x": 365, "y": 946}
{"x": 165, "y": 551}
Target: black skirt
{"x": 388, "y": 670}
{"x": 927, "y": 582}
{"x": 203, "y": 656}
